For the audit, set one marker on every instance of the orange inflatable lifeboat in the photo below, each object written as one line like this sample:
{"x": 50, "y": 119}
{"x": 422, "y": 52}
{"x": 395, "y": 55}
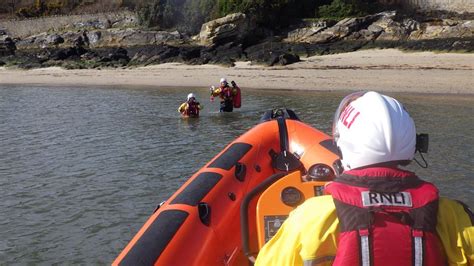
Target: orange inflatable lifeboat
{"x": 229, "y": 208}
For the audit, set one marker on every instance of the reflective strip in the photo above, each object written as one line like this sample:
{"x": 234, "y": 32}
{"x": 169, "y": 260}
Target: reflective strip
{"x": 365, "y": 250}
{"x": 418, "y": 250}
{"x": 317, "y": 261}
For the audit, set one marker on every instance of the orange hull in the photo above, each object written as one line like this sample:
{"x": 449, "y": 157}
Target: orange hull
{"x": 200, "y": 224}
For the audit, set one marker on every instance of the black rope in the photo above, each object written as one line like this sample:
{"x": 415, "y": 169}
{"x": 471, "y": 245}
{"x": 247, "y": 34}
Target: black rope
{"x": 423, "y": 158}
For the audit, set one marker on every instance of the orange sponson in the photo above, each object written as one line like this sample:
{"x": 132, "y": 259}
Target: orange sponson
{"x": 200, "y": 223}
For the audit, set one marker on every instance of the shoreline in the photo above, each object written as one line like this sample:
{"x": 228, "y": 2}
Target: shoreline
{"x": 384, "y": 70}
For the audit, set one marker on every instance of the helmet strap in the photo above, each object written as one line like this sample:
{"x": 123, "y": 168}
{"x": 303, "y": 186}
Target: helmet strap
{"x": 425, "y": 163}
{"x": 337, "y": 165}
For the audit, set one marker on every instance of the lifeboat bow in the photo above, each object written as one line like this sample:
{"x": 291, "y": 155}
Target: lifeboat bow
{"x": 252, "y": 184}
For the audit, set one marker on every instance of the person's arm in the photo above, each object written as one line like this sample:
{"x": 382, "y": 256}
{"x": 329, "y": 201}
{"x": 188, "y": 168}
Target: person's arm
{"x": 307, "y": 237}
{"x": 182, "y": 107}
{"x": 216, "y": 92}
{"x": 283, "y": 248}
{"x": 456, "y": 231}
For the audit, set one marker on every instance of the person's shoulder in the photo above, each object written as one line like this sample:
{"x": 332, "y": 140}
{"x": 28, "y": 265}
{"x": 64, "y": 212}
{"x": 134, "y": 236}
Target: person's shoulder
{"x": 318, "y": 201}
{"x": 325, "y": 199}
{"x": 323, "y": 206}
{"x": 452, "y": 204}
{"x": 449, "y": 208}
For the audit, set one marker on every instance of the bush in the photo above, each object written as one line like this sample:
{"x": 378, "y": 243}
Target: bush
{"x": 197, "y": 12}
{"x": 149, "y": 15}
{"x": 53, "y": 8}
{"x": 26, "y": 12}
{"x": 272, "y": 13}
{"x": 184, "y": 15}
{"x": 41, "y": 8}
{"x": 343, "y": 8}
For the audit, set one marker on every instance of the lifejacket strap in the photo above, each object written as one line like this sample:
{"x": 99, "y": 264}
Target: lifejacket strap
{"x": 418, "y": 252}
{"x": 364, "y": 247}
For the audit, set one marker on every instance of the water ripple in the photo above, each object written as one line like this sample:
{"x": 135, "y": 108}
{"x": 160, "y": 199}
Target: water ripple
{"x": 81, "y": 169}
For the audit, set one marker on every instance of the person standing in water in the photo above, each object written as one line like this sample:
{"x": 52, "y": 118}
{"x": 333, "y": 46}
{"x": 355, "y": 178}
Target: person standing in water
{"x": 191, "y": 107}
{"x": 230, "y": 96}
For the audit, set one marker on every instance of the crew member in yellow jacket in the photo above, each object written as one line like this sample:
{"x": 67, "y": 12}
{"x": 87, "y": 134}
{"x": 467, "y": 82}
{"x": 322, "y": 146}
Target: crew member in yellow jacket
{"x": 226, "y": 94}
{"x": 191, "y": 107}
{"x": 309, "y": 235}
{"x": 376, "y": 213}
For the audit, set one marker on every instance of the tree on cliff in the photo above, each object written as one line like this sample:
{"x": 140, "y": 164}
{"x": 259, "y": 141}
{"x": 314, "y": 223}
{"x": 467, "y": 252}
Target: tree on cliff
{"x": 185, "y": 15}
{"x": 188, "y": 15}
{"x": 346, "y": 8}
{"x": 270, "y": 12}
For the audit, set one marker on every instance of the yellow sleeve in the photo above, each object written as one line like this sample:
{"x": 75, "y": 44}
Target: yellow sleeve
{"x": 456, "y": 232}
{"x": 308, "y": 235}
{"x": 183, "y": 107}
{"x": 216, "y": 92}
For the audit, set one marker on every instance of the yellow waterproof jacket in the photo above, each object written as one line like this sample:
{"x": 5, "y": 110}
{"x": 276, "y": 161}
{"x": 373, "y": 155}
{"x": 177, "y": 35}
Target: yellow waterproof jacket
{"x": 309, "y": 235}
{"x": 184, "y": 106}
{"x": 218, "y": 92}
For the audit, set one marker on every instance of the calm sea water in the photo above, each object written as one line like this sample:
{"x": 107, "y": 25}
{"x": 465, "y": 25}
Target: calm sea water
{"x": 81, "y": 169}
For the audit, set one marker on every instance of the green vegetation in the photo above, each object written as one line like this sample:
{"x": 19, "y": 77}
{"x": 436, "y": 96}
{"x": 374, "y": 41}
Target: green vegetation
{"x": 38, "y": 8}
{"x": 270, "y": 12}
{"x": 345, "y": 8}
{"x": 41, "y": 8}
{"x": 188, "y": 15}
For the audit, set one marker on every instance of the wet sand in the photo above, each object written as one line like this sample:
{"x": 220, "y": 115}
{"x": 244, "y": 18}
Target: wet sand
{"x": 387, "y": 70}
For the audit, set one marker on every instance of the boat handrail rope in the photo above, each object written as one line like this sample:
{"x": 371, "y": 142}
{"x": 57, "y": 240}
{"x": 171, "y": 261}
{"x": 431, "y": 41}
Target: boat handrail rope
{"x": 279, "y": 112}
{"x": 285, "y": 160}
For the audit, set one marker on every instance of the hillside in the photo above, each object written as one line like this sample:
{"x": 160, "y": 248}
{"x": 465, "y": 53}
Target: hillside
{"x": 202, "y": 31}
{"x": 35, "y": 8}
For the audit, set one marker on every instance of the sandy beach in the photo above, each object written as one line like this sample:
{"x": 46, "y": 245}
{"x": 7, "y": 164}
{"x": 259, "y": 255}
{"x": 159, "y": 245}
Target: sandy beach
{"x": 381, "y": 70}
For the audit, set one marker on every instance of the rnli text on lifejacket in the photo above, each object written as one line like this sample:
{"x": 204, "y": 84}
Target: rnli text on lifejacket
{"x": 371, "y": 198}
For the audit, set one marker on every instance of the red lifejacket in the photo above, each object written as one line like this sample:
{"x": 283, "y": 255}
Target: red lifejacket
{"x": 387, "y": 216}
{"x": 237, "y": 100}
{"x": 226, "y": 93}
{"x": 193, "y": 109}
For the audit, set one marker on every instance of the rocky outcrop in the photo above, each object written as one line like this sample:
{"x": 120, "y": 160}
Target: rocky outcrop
{"x": 274, "y": 52}
{"x": 231, "y": 28}
{"x": 226, "y": 40}
{"x": 23, "y": 28}
{"x": 100, "y": 38}
{"x": 385, "y": 26}
{"x": 7, "y": 45}
{"x": 133, "y": 37}
{"x": 446, "y": 28}
{"x": 324, "y": 33}
{"x": 308, "y": 29}
{"x": 163, "y": 53}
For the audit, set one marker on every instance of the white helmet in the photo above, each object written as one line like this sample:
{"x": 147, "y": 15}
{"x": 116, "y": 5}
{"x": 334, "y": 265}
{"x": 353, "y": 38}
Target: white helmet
{"x": 191, "y": 95}
{"x": 223, "y": 80}
{"x": 371, "y": 128}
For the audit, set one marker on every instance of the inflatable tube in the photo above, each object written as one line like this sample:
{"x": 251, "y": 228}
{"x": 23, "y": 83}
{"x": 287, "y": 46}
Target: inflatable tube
{"x": 199, "y": 224}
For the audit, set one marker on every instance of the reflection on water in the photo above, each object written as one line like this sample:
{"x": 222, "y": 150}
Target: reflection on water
{"x": 81, "y": 169}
